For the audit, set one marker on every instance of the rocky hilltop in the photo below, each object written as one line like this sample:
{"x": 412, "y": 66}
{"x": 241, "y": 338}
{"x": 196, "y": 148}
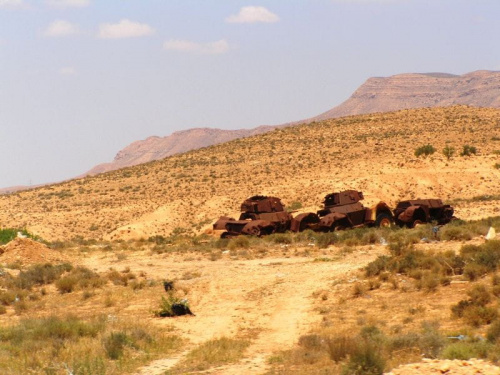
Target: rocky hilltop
{"x": 156, "y": 148}
{"x": 402, "y": 91}
{"x": 406, "y": 91}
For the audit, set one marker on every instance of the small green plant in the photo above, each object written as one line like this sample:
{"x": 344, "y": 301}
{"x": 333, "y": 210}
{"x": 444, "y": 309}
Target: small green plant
{"x": 240, "y": 242}
{"x": 474, "y": 309}
{"x": 294, "y": 206}
{"x": 366, "y": 360}
{"x": 115, "y": 343}
{"x": 8, "y": 234}
{"x": 166, "y": 306}
{"x": 425, "y": 150}
{"x": 468, "y": 150}
{"x": 448, "y": 152}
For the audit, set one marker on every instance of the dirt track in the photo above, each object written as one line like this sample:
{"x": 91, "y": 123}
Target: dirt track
{"x": 268, "y": 301}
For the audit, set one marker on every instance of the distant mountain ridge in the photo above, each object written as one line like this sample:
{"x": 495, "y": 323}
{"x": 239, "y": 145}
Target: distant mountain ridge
{"x": 407, "y": 91}
{"x": 377, "y": 94}
{"x": 155, "y": 148}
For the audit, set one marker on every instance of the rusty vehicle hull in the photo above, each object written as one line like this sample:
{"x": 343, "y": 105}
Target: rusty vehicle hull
{"x": 411, "y": 213}
{"x": 343, "y": 210}
{"x": 260, "y": 215}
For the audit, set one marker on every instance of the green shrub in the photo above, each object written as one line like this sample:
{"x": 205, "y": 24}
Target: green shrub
{"x": 493, "y": 332}
{"x": 115, "y": 343}
{"x": 379, "y": 265}
{"x": 7, "y": 297}
{"x": 466, "y": 350}
{"x": 358, "y": 290}
{"x": 294, "y": 206}
{"x": 479, "y": 295}
{"x": 430, "y": 281}
{"x": 366, "y": 360}
{"x": 404, "y": 341}
{"x": 339, "y": 348}
{"x": 80, "y": 277}
{"x": 473, "y": 271}
{"x": 323, "y": 240}
{"x": 66, "y": 284}
{"x": 425, "y": 150}
{"x": 280, "y": 238}
{"x": 239, "y": 242}
{"x": 8, "y": 234}
{"x": 165, "y": 306}
{"x": 448, "y": 152}
{"x": 458, "y": 310}
{"x": 486, "y": 255}
{"x": 477, "y": 316}
{"x": 468, "y": 150}
{"x": 40, "y": 274}
{"x": 455, "y": 233}
{"x": 431, "y": 341}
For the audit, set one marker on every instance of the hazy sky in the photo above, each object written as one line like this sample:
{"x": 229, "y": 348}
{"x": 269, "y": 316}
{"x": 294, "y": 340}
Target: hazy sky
{"x": 81, "y": 79}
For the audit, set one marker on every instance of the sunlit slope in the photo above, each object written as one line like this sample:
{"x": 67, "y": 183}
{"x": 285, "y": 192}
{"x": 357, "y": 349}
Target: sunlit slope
{"x": 373, "y": 153}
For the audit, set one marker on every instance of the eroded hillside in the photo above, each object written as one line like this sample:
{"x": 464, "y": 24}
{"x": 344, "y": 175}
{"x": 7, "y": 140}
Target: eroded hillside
{"x": 373, "y": 153}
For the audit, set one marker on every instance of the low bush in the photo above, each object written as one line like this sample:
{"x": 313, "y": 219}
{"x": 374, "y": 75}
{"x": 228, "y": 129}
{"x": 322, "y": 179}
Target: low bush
{"x": 448, "y": 152}
{"x": 365, "y": 360}
{"x": 115, "y": 343}
{"x": 40, "y": 274}
{"x": 455, "y": 233}
{"x": 493, "y": 333}
{"x": 468, "y": 150}
{"x": 240, "y": 242}
{"x": 280, "y": 238}
{"x": 474, "y": 309}
{"x": 341, "y": 347}
{"x": 467, "y": 350}
{"x": 8, "y": 234}
{"x": 425, "y": 150}
{"x": 79, "y": 277}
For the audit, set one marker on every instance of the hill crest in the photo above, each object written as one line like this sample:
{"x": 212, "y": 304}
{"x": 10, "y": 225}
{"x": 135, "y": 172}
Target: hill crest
{"x": 378, "y": 94}
{"x": 372, "y": 153}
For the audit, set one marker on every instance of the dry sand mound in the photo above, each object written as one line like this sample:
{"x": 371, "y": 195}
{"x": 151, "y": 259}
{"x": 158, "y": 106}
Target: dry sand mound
{"x": 27, "y": 251}
{"x": 458, "y": 367}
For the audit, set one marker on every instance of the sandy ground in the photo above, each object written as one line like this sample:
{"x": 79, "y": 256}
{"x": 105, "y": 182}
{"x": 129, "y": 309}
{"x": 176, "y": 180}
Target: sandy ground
{"x": 268, "y": 301}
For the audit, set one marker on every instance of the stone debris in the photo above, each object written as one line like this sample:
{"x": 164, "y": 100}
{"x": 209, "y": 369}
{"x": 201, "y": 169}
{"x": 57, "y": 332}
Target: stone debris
{"x": 450, "y": 367}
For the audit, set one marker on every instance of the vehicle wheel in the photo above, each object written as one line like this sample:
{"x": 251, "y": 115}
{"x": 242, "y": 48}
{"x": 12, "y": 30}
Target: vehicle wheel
{"x": 225, "y": 235}
{"x": 383, "y": 220}
{"x": 416, "y": 223}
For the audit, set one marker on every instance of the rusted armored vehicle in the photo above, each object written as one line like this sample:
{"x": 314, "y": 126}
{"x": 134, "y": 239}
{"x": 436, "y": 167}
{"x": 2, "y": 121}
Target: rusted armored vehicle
{"x": 260, "y": 215}
{"x": 343, "y": 210}
{"x": 411, "y": 213}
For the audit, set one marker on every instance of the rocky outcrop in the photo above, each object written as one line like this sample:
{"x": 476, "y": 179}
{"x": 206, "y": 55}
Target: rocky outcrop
{"x": 155, "y": 148}
{"x": 405, "y": 91}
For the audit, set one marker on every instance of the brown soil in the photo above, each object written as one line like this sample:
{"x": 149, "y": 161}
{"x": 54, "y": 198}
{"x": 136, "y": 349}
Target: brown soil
{"x": 26, "y": 251}
{"x": 456, "y": 367}
{"x": 269, "y": 301}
